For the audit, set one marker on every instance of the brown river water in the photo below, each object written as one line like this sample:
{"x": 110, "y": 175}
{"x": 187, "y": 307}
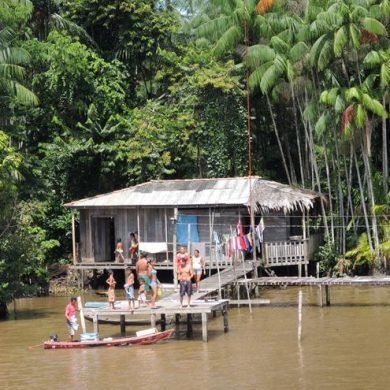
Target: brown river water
{"x": 344, "y": 346}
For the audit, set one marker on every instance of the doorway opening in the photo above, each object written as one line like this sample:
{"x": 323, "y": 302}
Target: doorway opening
{"x": 103, "y": 239}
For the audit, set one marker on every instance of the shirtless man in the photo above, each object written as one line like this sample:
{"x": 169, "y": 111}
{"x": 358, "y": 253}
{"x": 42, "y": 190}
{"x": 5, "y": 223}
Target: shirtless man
{"x": 142, "y": 268}
{"x": 185, "y": 276}
{"x": 182, "y": 259}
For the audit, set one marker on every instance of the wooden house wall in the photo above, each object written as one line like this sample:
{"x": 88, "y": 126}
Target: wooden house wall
{"x": 153, "y": 228}
{"x": 276, "y": 226}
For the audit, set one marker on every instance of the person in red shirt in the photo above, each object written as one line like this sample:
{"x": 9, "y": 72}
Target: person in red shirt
{"x": 70, "y": 314}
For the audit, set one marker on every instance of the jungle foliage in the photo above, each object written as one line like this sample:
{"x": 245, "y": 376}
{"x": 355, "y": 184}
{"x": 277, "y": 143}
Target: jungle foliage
{"x": 96, "y": 95}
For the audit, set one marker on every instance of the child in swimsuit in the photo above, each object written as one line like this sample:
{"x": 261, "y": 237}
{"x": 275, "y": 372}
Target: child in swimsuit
{"x": 129, "y": 288}
{"x": 111, "y": 289}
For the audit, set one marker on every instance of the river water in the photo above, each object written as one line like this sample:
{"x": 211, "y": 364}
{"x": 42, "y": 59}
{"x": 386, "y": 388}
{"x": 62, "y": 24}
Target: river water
{"x": 345, "y": 346}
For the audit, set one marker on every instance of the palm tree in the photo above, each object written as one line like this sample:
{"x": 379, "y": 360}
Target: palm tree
{"x": 12, "y": 59}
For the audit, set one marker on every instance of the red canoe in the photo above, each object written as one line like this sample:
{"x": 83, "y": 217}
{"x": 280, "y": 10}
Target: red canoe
{"x": 111, "y": 342}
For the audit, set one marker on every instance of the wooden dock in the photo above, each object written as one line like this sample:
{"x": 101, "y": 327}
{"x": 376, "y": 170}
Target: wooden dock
{"x": 169, "y": 305}
{"x": 164, "y": 309}
{"x": 319, "y": 282}
{"x": 312, "y": 281}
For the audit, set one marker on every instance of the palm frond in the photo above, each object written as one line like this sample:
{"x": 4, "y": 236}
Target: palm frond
{"x": 385, "y": 75}
{"x": 372, "y": 59}
{"x": 374, "y": 26}
{"x": 340, "y": 40}
{"x": 257, "y": 75}
{"x": 14, "y": 55}
{"x": 58, "y": 22}
{"x": 374, "y": 105}
{"x": 228, "y": 40}
{"x": 298, "y": 51}
{"x": 16, "y": 90}
{"x": 8, "y": 71}
{"x": 259, "y": 54}
{"x": 271, "y": 75}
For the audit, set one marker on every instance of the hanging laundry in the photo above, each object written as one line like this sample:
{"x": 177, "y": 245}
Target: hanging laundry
{"x": 241, "y": 239}
{"x": 260, "y": 230}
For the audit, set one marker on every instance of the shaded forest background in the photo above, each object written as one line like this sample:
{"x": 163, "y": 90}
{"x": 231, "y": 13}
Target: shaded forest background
{"x": 97, "y": 95}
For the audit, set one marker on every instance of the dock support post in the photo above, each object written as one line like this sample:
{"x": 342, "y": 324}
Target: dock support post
{"x": 163, "y": 322}
{"x": 225, "y": 319}
{"x": 177, "y": 319}
{"x": 204, "y": 327}
{"x": 122, "y": 324}
{"x": 189, "y": 325}
{"x": 95, "y": 323}
{"x": 327, "y": 294}
{"x": 153, "y": 320}
{"x": 320, "y": 295}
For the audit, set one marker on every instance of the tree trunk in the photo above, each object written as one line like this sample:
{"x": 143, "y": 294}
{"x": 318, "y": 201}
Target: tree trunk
{"x": 329, "y": 192}
{"x": 297, "y": 134}
{"x": 3, "y": 310}
{"x": 363, "y": 203}
{"x": 278, "y": 140}
{"x": 385, "y": 164}
{"x": 371, "y": 196}
{"x": 340, "y": 194}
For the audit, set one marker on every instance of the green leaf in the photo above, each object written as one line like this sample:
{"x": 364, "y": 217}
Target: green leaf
{"x": 269, "y": 78}
{"x": 228, "y": 40}
{"x": 298, "y": 51}
{"x": 352, "y": 93}
{"x": 279, "y": 45}
{"x": 325, "y": 55}
{"x": 329, "y": 96}
{"x": 355, "y": 35}
{"x": 374, "y": 26}
{"x": 340, "y": 40}
{"x": 372, "y": 58}
{"x": 259, "y": 54}
{"x": 374, "y": 106}
{"x": 340, "y": 104}
{"x": 359, "y": 116}
{"x": 321, "y": 125}
{"x": 257, "y": 75}
{"x": 385, "y": 75}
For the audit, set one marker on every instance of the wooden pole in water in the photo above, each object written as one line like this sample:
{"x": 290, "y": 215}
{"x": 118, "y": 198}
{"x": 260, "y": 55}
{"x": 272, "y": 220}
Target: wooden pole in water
{"x": 300, "y": 315}
{"x": 175, "y": 214}
{"x": 82, "y": 319}
{"x": 74, "y": 239}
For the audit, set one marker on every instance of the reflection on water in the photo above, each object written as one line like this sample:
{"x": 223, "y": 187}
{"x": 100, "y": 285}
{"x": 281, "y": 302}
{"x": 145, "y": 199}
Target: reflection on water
{"x": 344, "y": 346}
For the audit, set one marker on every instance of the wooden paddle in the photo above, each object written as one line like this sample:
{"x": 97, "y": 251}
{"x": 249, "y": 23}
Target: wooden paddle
{"x": 82, "y": 319}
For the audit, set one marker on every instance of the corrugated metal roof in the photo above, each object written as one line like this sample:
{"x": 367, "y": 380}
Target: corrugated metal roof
{"x": 203, "y": 192}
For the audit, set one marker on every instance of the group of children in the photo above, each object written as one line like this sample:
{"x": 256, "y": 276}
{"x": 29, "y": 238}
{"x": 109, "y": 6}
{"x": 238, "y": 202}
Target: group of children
{"x": 129, "y": 288}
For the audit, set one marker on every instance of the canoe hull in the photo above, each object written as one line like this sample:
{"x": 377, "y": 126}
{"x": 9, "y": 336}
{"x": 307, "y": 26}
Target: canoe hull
{"x": 123, "y": 341}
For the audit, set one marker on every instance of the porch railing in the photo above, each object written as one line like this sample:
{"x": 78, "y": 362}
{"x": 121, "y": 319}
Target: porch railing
{"x": 291, "y": 252}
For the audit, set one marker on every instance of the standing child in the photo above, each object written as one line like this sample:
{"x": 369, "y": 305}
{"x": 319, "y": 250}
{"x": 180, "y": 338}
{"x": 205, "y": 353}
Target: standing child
{"x": 141, "y": 293}
{"x": 129, "y": 288}
{"x": 111, "y": 289}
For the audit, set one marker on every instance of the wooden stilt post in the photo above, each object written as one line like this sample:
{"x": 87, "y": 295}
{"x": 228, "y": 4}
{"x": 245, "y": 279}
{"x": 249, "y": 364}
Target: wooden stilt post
{"x": 163, "y": 322}
{"x": 95, "y": 323}
{"x": 189, "y": 325}
{"x": 210, "y": 243}
{"x": 74, "y": 239}
{"x": 166, "y": 233}
{"x": 204, "y": 327}
{"x": 177, "y": 319}
{"x": 327, "y": 294}
{"x": 225, "y": 319}
{"x": 122, "y": 324}
{"x": 320, "y": 295}
{"x": 189, "y": 242}
{"x": 175, "y": 215}
{"x": 153, "y": 320}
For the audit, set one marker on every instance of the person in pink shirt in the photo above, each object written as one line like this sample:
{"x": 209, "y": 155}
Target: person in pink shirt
{"x": 71, "y": 320}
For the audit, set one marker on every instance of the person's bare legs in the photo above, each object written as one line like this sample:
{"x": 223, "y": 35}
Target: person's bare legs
{"x": 189, "y": 301}
{"x": 197, "y": 282}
